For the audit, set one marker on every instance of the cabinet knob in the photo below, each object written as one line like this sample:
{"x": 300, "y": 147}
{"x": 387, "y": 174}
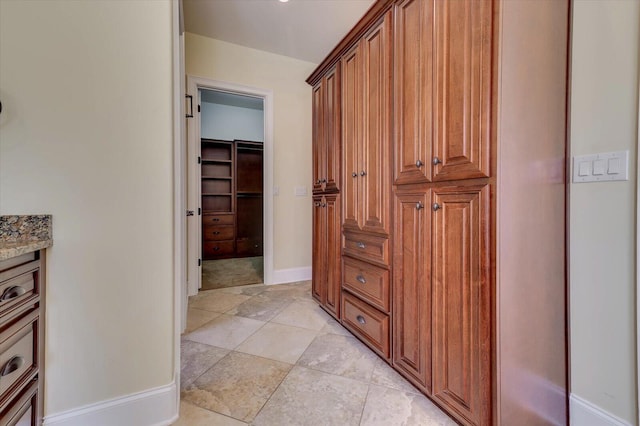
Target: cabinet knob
{"x": 419, "y": 206}
{"x": 216, "y": 248}
{"x": 436, "y": 206}
{"x": 216, "y": 219}
{"x": 363, "y": 173}
{"x": 361, "y": 319}
{"x": 361, "y": 245}
{"x": 318, "y": 182}
{"x": 216, "y": 232}
{"x": 317, "y": 204}
{"x": 436, "y": 161}
{"x": 361, "y": 279}
{"x": 12, "y": 365}
{"x": 323, "y": 181}
{"x": 12, "y": 292}
{"x": 419, "y": 163}
{"x": 354, "y": 174}
{"x": 323, "y": 205}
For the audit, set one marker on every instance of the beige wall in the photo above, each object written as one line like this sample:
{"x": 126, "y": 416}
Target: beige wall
{"x": 602, "y": 272}
{"x": 218, "y": 60}
{"x": 86, "y": 135}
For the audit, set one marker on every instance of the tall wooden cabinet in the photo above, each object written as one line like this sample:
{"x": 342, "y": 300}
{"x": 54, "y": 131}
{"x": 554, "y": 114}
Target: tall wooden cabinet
{"x": 453, "y": 201}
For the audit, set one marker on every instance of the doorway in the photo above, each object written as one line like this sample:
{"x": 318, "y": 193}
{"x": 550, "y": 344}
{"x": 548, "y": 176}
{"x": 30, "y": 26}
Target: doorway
{"x": 230, "y": 175}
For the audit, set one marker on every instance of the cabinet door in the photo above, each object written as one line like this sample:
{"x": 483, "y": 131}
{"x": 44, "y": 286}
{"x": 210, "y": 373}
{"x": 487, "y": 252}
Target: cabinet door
{"x": 351, "y": 134}
{"x": 318, "y": 283}
{"x": 319, "y": 144}
{"x": 463, "y": 66}
{"x": 461, "y": 302}
{"x": 413, "y": 79}
{"x": 331, "y": 178}
{"x": 412, "y": 288}
{"x": 332, "y": 266}
{"x": 376, "y": 148}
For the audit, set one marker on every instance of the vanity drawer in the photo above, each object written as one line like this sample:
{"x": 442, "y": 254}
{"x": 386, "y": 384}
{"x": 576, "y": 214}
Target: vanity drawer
{"x": 369, "y": 282}
{"x": 18, "y": 349}
{"x": 366, "y": 322}
{"x": 23, "y": 411}
{"x": 217, "y": 233}
{"x": 370, "y": 248}
{"x": 218, "y": 219}
{"x": 217, "y": 248}
{"x": 20, "y": 289}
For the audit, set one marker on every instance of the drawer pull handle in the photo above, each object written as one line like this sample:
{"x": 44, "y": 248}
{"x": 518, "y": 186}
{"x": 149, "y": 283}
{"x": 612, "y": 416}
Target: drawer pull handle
{"x": 216, "y": 248}
{"x": 361, "y": 279}
{"x": 361, "y": 245}
{"x": 12, "y": 365}
{"x": 216, "y": 219}
{"x": 216, "y": 232}
{"x": 361, "y": 319}
{"x": 323, "y": 181}
{"x": 12, "y": 293}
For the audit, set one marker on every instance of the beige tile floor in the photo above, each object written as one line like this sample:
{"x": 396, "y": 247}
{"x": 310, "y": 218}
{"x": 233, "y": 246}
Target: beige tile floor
{"x": 268, "y": 355}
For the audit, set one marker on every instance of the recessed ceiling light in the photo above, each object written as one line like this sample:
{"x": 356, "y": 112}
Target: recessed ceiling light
{"x": 283, "y": 1}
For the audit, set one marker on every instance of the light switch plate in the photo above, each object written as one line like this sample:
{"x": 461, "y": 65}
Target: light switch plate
{"x": 300, "y": 191}
{"x": 604, "y": 167}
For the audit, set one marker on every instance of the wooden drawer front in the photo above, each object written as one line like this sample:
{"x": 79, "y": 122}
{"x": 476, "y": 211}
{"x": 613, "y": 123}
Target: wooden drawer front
{"x": 218, "y": 219}
{"x": 17, "y": 353}
{"x": 366, "y": 322}
{"x": 369, "y": 248}
{"x": 217, "y": 233}
{"x": 7, "y": 264}
{"x": 369, "y": 282}
{"x": 218, "y": 248}
{"x": 23, "y": 410}
{"x": 249, "y": 247}
{"x": 18, "y": 290}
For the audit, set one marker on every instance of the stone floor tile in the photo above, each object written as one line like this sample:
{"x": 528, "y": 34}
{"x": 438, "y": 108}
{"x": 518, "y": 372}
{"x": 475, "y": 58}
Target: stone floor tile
{"x": 304, "y": 314}
{"x": 279, "y": 342}
{"x": 260, "y": 307}
{"x": 197, "y": 318}
{"x": 191, "y": 415}
{"x": 384, "y": 375}
{"x": 225, "y": 331}
{"x": 195, "y": 359}
{"x": 218, "y": 301}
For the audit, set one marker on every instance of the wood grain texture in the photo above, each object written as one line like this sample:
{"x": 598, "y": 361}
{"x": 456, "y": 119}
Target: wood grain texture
{"x": 367, "y": 323}
{"x": 318, "y": 139}
{"x": 463, "y": 67}
{"x": 333, "y": 130}
{"x": 333, "y": 256}
{"x": 412, "y": 287}
{"x": 413, "y": 90}
{"x": 318, "y": 280}
{"x": 462, "y": 302}
{"x": 351, "y": 136}
{"x": 370, "y": 283}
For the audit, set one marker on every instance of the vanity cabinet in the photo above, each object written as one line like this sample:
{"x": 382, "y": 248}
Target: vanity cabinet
{"x": 326, "y": 247}
{"x": 22, "y": 339}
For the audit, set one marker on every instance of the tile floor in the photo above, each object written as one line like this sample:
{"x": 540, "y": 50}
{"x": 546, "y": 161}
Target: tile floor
{"x": 268, "y": 355}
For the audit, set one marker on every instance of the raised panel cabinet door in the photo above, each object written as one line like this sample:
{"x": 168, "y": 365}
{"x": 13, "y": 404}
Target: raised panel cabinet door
{"x": 333, "y": 131}
{"x": 414, "y": 90}
{"x": 319, "y": 142}
{"x": 412, "y": 287}
{"x": 376, "y": 142}
{"x": 462, "y": 302}
{"x": 351, "y": 135}
{"x": 332, "y": 265}
{"x": 318, "y": 282}
{"x": 463, "y": 66}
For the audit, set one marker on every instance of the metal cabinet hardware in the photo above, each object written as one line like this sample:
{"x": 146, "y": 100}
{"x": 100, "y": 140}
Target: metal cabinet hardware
{"x": 361, "y": 245}
{"x": 361, "y": 319}
{"x": 436, "y": 161}
{"x": 12, "y": 292}
{"x": 323, "y": 205}
{"x": 216, "y": 219}
{"x": 317, "y": 204}
{"x": 436, "y": 206}
{"x": 190, "y": 212}
{"x": 363, "y": 173}
{"x": 354, "y": 174}
{"x": 12, "y": 365}
{"x": 419, "y": 163}
{"x": 323, "y": 180}
{"x": 216, "y": 232}
{"x": 361, "y": 279}
{"x": 419, "y": 206}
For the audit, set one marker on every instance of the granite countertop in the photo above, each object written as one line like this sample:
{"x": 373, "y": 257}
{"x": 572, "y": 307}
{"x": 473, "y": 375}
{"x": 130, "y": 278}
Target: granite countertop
{"x": 24, "y": 234}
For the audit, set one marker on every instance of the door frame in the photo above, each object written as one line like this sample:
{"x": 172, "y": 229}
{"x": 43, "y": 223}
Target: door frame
{"x": 194, "y": 232}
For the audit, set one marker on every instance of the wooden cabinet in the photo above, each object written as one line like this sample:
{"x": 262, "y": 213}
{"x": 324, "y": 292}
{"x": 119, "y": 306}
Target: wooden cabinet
{"x": 22, "y": 339}
{"x": 232, "y": 202}
{"x": 326, "y": 244}
{"x": 462, "y": 285}
{"x": 327, "y": 132}
{"x": 367, "y": 131}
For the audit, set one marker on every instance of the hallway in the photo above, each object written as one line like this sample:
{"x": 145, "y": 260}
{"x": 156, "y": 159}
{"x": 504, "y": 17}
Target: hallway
{"x": 268, "y": 355}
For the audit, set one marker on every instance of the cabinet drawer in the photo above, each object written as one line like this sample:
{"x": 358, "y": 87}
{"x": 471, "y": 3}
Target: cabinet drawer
{"x": 218, "y": 219}
{"x": 369, "y": 248}
{"x": 367, "y": 323}
{"x": 18, "y": 290}
{"x": 249, "y": 247}
{"x": 217, "y": 233}
{"x": 23, "y": 410}
{"x": 369, "y": 282}
{"x": 17, "y": 348}
{"x": 217, "y": 248}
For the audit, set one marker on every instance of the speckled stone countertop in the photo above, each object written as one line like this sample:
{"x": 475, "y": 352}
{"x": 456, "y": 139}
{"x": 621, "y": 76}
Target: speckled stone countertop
{"x": 24, "y": 234}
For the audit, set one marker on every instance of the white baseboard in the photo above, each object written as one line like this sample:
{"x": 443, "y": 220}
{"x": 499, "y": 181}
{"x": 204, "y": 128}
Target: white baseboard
{"x": 584, "y": 413}
{"x": 282, "y": 276}
{"x": 153, "y": 407}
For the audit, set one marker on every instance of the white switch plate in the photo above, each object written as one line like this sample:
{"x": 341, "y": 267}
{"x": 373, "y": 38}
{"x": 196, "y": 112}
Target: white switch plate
{"x": 300, "y": 191}
{"x": 603, "y": 167}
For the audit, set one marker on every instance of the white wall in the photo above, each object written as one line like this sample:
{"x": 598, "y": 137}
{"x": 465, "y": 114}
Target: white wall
{"x": 230, "y": 122}
{"x": 86, "y": 135}
{"x": 218, "y": 60}
{"x": 602, "y": 224}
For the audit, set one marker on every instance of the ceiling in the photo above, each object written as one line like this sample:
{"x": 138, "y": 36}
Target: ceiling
{"x": 231, "y": 99}
{"x": 302, "y": 29}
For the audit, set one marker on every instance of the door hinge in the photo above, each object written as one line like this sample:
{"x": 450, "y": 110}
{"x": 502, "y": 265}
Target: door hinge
{"x": 199, "y": 262}
{"x": 199, "y": 160}
{"x": 199, "y": 211}
{"x": 198, "y": 108}
{"x": 190, "y": 114}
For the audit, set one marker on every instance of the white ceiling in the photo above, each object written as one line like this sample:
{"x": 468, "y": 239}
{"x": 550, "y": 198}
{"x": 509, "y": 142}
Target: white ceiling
{"x": 302, "y": 29}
